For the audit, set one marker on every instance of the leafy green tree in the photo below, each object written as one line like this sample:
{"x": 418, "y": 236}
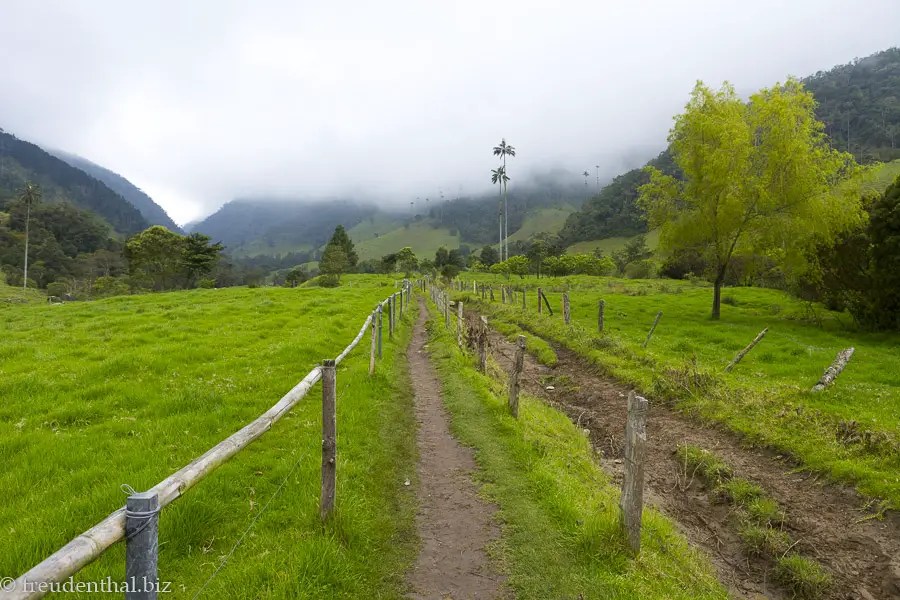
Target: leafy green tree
{"x": 455, "y": 257}
{"x": 199, "y": 257}
{"x": 441, "y": 257}
{"x": 759, "y": 176}
{"x": 427, "y": 267}
{"x": 333, "y": 264}
{"x": 295, "y": 277}
{"x": 389, "y": 263}
{"x": 503, "y": 150}
{"x": 518, "y": 265}
{"x": 489, "y": 256}
{"x": 408, "y": 261}
{"x": 29, "y": 196}
{"x": 538, "y": 251}
{"x": 343, "y": 240}
{"x": 155, "y": 255}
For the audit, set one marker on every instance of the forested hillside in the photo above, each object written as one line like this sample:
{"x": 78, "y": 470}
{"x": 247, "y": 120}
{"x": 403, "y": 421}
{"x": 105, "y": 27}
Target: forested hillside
{"x": 860, "y": 99}
{"x": 150, "y": 210}
{"x": 21, "y": 161}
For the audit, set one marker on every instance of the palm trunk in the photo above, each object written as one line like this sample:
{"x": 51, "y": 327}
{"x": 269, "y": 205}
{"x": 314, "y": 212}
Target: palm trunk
{"x": 27, "y": 223}
{"x": 506, "y": 218}
{"x": 500, "y": 217}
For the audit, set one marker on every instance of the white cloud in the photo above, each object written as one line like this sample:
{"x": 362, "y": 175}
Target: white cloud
{"x": 198, "y": 102}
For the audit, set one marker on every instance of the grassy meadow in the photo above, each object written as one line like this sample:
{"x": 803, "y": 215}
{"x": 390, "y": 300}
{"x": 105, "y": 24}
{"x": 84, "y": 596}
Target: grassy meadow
{"x": 610, "y": 245}
{"x": 130, "y": 389}
{"x": 851, "y": 431}
{"x": 558, "y": 509}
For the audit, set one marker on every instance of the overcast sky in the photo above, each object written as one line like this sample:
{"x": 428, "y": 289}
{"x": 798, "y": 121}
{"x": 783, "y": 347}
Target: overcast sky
{"x": 198, "y": 102}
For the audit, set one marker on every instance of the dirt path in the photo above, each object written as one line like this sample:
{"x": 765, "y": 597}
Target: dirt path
{"x": 863, "y": 556}
{"x": 455, "y": 525}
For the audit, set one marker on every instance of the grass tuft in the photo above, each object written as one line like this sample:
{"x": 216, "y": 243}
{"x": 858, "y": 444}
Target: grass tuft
{"x": 760, "y": 540}
{"x": 705, "y": 464}
{"x": 806, "y": 578}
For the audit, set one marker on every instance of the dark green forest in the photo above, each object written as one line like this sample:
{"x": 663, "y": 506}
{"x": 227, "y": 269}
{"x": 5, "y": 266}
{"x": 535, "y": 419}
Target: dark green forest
{"x": 860, "y": 99}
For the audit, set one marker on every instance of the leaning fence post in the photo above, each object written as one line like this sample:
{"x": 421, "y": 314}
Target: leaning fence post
{"x": 329, "y": 438}
{"x": 600, "y": 316}
{"x": 459, "y": 323}
{"x": 372, "y": 350}
{"x": 566, "y": 314}
{"x": 652, "y": 329}
{"x": 141, "y": 545}
{"x": 740, "y": 355}
{"x": 834, "y": 370}
{"x": 482, "y": 345}
{"x": 518, "y": 365}
{"x": 546, "y": 303}
{"x": 631, "y": 504}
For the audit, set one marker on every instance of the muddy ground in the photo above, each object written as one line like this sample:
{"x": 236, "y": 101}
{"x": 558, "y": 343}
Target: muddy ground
{"x": 827, "y": 521}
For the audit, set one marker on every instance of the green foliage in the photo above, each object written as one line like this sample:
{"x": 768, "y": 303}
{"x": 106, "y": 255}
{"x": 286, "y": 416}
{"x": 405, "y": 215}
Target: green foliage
{"x": 641, "y": 269}
{"x": 705, "y": 464}
{"x": 518, "y": 265}
{"x": 860, "y": 271}
{"x": 764, "y": 541}
{"x": 198, "y": 256}
{"x": 57, "y": 288}
{"x": 408, "y": 261}
{"x": 295, "y": 277}
{"x": 109, "y": 286}
{"x": 635, "y": 250}
{"x": 734, "y": 197}
{"x": 489, "y": 256}
{"x": 342, "y": 240}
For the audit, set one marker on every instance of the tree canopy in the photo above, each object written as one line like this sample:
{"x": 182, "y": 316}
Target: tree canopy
{"x": 758, "y": 177}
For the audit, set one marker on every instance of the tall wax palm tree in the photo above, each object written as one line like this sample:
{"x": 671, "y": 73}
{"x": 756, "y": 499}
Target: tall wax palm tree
{"x": 498, "y": 176}
{"x": 29, "y": 195}
{"x": 504, "y": 150}
{"x": 598, "y": 178}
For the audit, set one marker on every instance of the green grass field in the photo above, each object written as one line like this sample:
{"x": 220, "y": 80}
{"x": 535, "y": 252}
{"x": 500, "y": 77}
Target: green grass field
{"x": 610, "y": 245}
{"x": 882, "y": 177}
{"x": 130, "y": 389}
{"x": 421, "y": 237}
{"x": 851, "y": 431}
{"x": 558, "y": 509}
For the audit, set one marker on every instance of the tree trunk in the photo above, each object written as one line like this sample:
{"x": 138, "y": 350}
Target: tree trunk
{"x": 27, "y": 223}
{"x": 717, "y": 297}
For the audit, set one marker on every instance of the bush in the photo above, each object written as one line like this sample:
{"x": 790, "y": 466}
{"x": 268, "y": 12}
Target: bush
{"x": 207, "y": 283}
{"x": 57, "y": 288}
{"x": 641, "y": 269}
{"x": 110, "y": 286}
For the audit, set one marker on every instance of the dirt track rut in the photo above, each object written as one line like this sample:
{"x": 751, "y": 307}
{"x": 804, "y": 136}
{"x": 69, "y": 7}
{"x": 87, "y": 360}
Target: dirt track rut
{"x": 862, "y": 555}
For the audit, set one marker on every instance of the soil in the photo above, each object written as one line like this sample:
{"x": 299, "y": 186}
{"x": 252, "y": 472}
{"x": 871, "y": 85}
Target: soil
{"x": 826, "y": 520}
{"x": 455, "y": 525}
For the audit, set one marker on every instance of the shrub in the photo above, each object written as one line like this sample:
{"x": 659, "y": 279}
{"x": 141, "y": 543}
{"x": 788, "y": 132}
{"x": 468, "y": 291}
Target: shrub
{"x": 207, "y": 283}
{"x": 110, "y": 286}
{"x": 57, "y": 288}
{"x": 640, "y": 269}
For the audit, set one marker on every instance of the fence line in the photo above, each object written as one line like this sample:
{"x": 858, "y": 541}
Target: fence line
{"x": 91, "y": 544}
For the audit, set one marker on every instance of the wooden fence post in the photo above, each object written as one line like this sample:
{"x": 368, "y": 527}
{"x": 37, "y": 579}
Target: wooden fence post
{"x": 491, "y": 290}
{"x": 631, "y": 505}
{"x": 523, "y": 298}
{"x": 600, "y": 316}
{"x": 482, "y": 345}
{"x": 744, "y": 352}
{"x": 459, "y": 323}
{"x": 566, "y": 313}
{"x": 391, "y": 316}
{"x": 652, "y": 329}
{"x": 380, "y": 330}
{"x": 329, "y": 439}
{"x": 474, "y": 288}
{"x": 142, "y": 545}
{"x": 447, "y": 310}
{"x": 518, "y": 365}
{"x": 834, "y": 370}
{"x": 373, "y": 349}
{"x": 539, "y": 293}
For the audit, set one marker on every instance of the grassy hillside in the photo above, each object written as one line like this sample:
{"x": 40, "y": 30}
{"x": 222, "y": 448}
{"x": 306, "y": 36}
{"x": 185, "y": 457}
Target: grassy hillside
{"x": 8, "y": 292}
{"x": 421, "y": 237}
{"x": 844, "y": 432}
{"x": 610, "y": 245}
{"x": 544, "y": 220}
{"x": 130, "y": 389}
{"x": 882, "y": 176}
{"x": 374, "y": 227}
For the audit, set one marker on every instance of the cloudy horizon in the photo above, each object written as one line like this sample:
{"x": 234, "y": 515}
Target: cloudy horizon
{"x": 200, "y": 103}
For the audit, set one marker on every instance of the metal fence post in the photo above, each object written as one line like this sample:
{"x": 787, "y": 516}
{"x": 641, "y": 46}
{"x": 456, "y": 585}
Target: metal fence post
{"x": 141, "y": 546}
